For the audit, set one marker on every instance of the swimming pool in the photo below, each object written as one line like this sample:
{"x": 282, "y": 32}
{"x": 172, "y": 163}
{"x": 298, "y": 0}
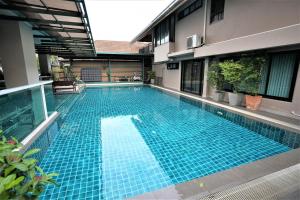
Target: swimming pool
{"x": 119, "y": 142}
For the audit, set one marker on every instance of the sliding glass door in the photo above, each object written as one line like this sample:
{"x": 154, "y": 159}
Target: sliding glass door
{"x": 192, "y": 76}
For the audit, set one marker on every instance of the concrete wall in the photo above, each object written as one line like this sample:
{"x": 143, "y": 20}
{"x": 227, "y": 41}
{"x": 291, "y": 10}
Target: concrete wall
{"x": 171, "y": 78}
{"x": 243, "y": 18}
{"x": 161, "y": 52}
{"x": 17, "y": 53}
{"x": 275, "y": 38}
{"x": 190, "y": 25}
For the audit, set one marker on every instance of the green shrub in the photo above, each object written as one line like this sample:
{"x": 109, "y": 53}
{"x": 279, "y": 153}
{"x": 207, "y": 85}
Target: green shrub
{"x": 20, "y": 176}
{"x": 215, "y": 76}
{"x": 232, "y": 72}
{"x": 151, "y": 74}
{"x": 251, "y": 75}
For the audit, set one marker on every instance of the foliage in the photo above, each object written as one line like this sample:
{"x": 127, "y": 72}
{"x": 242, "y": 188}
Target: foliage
{"x": 232, "y": 72}
{"x": 215, "y": 76}
{"x": 251, "y": 75}
{"x": 20, "y": 176}
{"x": 55, "y": 73}
{"x": 151, "y": 74}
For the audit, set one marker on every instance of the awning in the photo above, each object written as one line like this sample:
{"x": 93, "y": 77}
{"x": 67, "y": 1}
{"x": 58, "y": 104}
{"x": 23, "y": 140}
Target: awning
{"x": 60, "y": 27}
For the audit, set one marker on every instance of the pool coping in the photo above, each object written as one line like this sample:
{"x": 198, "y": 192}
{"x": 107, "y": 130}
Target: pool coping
{"x": 114, "y": 84}
{"x": 220, "y": 181}
{"x": 258, "y": 117}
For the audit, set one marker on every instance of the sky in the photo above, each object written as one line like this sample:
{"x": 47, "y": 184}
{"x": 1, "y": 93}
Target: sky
{"x": 122, "y": 20}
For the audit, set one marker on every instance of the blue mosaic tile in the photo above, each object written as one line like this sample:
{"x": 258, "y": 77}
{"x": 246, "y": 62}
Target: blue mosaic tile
{"x": 116, "y": 143}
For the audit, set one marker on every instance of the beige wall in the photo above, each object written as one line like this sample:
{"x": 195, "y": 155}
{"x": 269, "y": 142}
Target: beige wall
{"x": 171, "y": 78}
{"x": 161, "y": 52}
{"x": 190, "y": 25}
{"x": 243, "y": 18}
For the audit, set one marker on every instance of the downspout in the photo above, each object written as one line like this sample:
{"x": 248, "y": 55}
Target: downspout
{"x": 205, "y": 21}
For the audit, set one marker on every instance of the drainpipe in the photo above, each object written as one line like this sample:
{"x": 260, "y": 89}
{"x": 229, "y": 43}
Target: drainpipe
{"x": 205, "y": 21}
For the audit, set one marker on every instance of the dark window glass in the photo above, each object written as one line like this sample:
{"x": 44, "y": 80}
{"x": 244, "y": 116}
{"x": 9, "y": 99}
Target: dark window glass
{"x": 217, "y": 10}
{"x": 165, "y": 31}
{"x": 172, "y": 29}
{"x": 190, "y": 9}
{"x": 172, "y": 66}
{"x": 278, "y": 77}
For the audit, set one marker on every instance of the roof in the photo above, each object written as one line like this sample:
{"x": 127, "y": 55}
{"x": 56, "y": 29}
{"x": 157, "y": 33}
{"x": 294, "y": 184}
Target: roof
{"x": 59, "y": 27}
{"x": 165, "y": 13}
{"x": 108, "y": 46}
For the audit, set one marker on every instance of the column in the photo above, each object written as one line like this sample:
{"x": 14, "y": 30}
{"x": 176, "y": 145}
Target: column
{"x": 45, "y": 64}
{"x": 17, "y": 54}
{"x": 205, "y": 83}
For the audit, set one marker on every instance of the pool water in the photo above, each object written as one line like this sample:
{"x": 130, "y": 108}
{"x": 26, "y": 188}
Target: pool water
{"x": 119, "y": 142}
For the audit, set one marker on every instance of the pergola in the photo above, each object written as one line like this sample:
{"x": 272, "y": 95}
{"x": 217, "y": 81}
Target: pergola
{"x": 60, "y": 27}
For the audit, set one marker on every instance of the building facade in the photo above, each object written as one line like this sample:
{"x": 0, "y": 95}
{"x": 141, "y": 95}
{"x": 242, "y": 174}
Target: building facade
{"x": 115, "y": 61}
{"x": 223, "y": 29}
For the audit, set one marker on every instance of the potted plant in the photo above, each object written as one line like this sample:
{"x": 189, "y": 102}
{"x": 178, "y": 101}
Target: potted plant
{"x": 216, "y": 79}
{"x": 232, "y": 72}
{"x": 251, "y": 77}
{"x": 151, "y": 76}
{"x": 20, "y": 176}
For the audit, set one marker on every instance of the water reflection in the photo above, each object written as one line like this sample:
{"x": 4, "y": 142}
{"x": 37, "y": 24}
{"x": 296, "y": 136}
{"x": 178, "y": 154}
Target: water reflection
{"x": 127, "y": 161}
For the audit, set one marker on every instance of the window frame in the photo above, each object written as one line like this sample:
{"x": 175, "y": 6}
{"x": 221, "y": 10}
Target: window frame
{"x": 294, "y": 78}
{"x": 215, "y": 12}
{"x": 170, "y": 64}
{"x": 197, "y": 4}
{"x": 269, "y": 57}
{"x": 164, "y": 32}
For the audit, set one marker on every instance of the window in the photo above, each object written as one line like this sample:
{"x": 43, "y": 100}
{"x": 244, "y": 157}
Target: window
{"x": 171, "y": 66}
{"x": 190, "y": 9}
{"x": 165, "y": 31}
{"x": 279, "y": 76}
{"x": 216, "y": 10}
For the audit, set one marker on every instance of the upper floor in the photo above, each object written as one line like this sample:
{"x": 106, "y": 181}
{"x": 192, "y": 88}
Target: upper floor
{"x": 215, "y": 21}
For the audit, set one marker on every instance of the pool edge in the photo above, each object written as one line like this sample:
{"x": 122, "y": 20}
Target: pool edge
{"x": 220, "y": 181}
{"x": 254, "y": 116}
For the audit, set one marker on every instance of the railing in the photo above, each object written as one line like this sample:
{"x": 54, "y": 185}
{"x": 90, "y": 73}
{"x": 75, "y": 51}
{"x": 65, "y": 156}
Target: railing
{"x": 23, "y": 109}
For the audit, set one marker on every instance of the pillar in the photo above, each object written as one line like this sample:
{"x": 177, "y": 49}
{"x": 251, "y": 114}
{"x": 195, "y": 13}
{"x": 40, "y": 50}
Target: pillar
{"x": 17, "y": 53}
{"x": 45, "y": 64}
{"x": 205, "y": 78}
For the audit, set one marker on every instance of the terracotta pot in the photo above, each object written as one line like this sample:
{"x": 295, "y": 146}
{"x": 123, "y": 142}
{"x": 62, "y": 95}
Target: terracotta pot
{"x": 253, "y": 102}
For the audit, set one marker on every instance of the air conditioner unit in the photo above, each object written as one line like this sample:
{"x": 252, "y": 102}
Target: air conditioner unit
{"x": 194, "y": 41}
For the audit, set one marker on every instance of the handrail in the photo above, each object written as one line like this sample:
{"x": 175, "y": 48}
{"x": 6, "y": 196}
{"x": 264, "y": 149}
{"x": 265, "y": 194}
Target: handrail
{"x": 24, "y": 87}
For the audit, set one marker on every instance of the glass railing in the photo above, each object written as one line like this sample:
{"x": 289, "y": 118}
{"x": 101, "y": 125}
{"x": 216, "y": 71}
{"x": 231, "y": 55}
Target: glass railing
{"x": 24, "y": 108}
{"x": 50, "y": 98}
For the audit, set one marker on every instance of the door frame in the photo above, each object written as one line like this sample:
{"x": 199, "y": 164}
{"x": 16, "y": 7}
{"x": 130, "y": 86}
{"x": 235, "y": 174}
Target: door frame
{"x": 202, "y": 63}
